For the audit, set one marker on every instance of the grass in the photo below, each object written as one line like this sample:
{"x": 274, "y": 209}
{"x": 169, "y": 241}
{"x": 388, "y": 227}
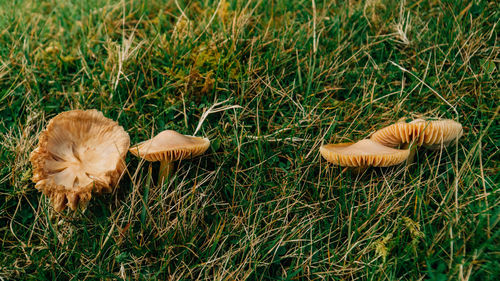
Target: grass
{"x": 285, "y": 76}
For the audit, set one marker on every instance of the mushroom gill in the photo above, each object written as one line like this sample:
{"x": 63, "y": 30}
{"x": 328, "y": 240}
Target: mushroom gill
{"x": 427, "y": 133}
{"x": 78, "y": 153}
{"x": 364, "y": 153}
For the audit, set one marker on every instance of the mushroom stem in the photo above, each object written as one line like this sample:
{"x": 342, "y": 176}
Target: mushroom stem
{"x": 413, "y": 149}
{"x": 166, "y": 168}
{"x": 359, "y": 170}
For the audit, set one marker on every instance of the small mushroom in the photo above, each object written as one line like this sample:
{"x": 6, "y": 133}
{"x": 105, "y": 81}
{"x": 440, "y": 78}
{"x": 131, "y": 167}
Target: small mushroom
{"x": 431, "y": 134}
{"x": 167, "y": 147}
{"x": 79, "y": 152}
{"x": 364, "y": 153}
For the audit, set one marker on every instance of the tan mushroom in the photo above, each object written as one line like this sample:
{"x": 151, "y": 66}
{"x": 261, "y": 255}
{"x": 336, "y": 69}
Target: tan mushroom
{"x": 364, "y": 153}
{"x": 79, "y": 152}
{"x": 169, "y": 146}
{"x": 431, "y": 134}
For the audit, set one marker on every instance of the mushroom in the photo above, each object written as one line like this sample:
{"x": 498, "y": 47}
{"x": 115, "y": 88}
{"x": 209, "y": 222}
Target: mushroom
{"x": 431, "y": 134}
{"x": 78, "y": 152}
{"x": 167, "y": 147}
{"x": 363, "y": 154}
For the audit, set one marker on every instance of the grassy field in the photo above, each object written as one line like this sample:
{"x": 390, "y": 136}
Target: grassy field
{"x": 268, "y": 82}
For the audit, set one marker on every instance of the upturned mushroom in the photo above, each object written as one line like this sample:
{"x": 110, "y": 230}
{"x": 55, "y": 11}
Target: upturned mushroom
{"x": 78, "y": 153}
{"x": 362, "y": 154}
{"x": 430, "y": 134}
{"x": 167, "y": 147}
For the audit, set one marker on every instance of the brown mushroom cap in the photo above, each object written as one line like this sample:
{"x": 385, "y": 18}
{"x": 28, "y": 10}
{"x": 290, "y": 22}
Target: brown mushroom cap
{"x": 79, "y": 152}
{"x": 170, "y": 146}
{"x": 428, "y": 133}
{"x": 362, "y": 154}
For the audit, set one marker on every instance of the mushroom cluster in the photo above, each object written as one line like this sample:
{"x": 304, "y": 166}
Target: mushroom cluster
{"x": 82, "y": 152}
{"x": 381, "y": 150}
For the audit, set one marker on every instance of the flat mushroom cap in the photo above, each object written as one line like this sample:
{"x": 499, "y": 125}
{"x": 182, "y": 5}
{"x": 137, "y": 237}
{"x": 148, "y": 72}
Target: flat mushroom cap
{"x": 427, "y": 133}
{"x": 170, "y": 146}
{"x": 362, "y": 154}
{"x": 79, "y": 152}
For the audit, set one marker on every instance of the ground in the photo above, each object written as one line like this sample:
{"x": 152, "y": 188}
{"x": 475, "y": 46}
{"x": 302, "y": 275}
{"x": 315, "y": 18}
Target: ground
{"x": 267, "y": 82}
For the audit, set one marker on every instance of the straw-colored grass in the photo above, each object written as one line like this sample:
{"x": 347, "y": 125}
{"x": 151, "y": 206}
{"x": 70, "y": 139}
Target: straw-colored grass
{"x": 268, "y": 82}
